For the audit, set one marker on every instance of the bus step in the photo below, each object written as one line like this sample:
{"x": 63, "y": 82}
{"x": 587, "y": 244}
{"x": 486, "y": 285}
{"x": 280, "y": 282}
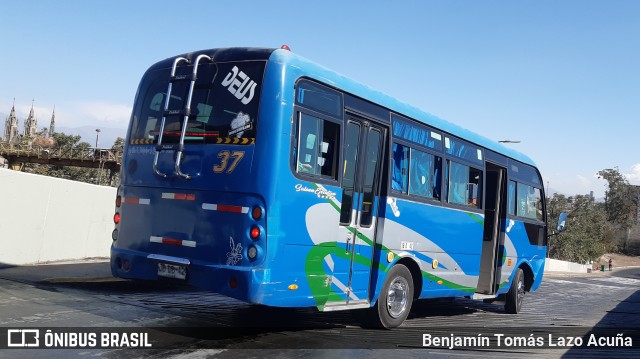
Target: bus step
{"x": 356, "y": 304}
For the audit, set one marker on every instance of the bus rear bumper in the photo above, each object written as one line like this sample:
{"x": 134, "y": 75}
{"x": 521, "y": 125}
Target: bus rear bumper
{"x": 246, "y": 284}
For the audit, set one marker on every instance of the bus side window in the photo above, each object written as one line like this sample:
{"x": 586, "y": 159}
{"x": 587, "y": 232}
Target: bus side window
{"x": 529, "y": 202}
{"x": 464, "y": 184}
{"x": 400, "y": 175}
{"x": 511, "y": 201}
{"x": 425, "y": 168}
{"x": 317, "y": 144}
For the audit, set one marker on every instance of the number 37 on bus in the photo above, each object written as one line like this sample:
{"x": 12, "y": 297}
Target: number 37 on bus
{"x": 260, "y": 175}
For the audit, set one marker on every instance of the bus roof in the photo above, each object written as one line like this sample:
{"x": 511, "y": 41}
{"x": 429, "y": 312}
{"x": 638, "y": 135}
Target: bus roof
{"x": 332, "y": 78}
{"x": 221, "y": 55}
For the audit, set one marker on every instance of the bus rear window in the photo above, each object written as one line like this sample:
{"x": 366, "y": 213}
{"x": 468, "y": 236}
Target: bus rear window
{"x": 223, "y": 109}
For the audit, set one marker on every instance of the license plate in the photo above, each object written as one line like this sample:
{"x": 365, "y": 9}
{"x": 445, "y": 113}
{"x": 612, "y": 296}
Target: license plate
{"x": 172, "y": 271}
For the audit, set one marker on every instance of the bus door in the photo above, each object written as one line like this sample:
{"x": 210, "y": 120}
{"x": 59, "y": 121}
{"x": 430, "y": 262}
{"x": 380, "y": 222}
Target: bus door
{"x": 362, "y": 170}
{"x": 493, "y": 237}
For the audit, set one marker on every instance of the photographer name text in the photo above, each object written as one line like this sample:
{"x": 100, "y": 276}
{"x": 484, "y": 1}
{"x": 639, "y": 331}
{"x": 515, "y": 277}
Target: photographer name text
{"x": 534, "y": 341}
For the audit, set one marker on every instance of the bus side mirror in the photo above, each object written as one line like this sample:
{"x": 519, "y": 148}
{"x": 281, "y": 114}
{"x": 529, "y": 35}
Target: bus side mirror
{"x": 562, "y": 219}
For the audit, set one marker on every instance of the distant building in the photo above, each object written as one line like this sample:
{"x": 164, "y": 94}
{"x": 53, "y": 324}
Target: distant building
{"x": 11, "y": 135}
{"x": 30, "y": 127}
{"x": 52, "y": 125}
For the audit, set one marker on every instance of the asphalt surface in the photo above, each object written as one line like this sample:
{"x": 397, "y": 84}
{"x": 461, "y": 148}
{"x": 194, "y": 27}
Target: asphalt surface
{"x": 187, "y": 322}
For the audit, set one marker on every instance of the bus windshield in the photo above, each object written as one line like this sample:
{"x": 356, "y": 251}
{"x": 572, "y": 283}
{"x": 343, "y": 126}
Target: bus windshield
{"x": 224, "y": 105}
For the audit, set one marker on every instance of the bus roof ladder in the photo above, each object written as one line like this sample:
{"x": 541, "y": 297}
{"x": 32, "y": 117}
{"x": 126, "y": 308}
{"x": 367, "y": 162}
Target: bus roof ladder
{"x": 186, "y": 112}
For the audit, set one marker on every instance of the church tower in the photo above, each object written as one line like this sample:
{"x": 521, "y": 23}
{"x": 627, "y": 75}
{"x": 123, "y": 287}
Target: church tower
{"x": 30, "y": 124}
{"x": 11, "y": 127}
{"x": 52, "y": 125}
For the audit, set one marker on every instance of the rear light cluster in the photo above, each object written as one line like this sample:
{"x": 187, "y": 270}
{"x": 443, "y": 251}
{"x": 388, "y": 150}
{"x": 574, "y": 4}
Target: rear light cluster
{"x": 116, "y": 217}
{"x": 255, "y": 233}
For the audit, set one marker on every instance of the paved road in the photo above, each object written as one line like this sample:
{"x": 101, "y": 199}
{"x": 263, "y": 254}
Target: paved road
{"x": 183, "y": 321}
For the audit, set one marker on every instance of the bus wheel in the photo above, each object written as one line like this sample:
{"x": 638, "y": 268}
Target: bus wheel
{"x": 515, "y": 295}
{"x": 396, "y": 297}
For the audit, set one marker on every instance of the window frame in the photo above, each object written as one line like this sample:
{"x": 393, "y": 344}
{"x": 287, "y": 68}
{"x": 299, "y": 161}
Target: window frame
{"x": 518, "y": 179}
{"x": 435, "y": 181}
{"x": 302, "y": 81}
{"x": 392, "y": 166}
{"x": 140, "y": 136}
{"x": 477, "y": 162}
{"x": 299, "y": 109}
{"x": 410, "y": 196}
{"x": 295, "y": 150}
{"x": 395, "y": 116}
{"x": 516, "y": 203}
{"x": 446, "y": 188}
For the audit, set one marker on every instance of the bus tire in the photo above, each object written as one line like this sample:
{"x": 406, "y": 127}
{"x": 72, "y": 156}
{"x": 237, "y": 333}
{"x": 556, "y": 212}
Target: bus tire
{"x": 396, "y": 298}
{"x": 515, "y": 295}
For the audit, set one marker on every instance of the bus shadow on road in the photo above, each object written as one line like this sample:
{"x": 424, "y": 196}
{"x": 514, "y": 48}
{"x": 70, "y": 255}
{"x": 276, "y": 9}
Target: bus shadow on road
{"x": 218, "y": 310}
{"x": 445, "y": 307}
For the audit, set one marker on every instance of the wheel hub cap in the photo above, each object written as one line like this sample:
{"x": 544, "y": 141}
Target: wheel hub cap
{"x": 397, "y": 297}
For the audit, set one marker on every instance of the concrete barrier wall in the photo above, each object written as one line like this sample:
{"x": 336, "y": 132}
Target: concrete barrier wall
{"x": 554, "y": 265}
{"x": 45, "y": 219}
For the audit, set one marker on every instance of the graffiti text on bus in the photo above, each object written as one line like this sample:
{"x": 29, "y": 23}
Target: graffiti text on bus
{"x": 238, "y": 83}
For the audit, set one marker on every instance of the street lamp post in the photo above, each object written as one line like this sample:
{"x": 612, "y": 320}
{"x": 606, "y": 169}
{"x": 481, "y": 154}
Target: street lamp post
{"x": 97, "y": 153}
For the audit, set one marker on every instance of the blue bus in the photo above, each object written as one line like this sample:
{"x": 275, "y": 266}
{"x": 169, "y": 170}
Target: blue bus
{"x": 263, "y": 176}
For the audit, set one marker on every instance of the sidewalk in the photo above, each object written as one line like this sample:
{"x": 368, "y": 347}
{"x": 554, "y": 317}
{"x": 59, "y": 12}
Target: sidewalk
{"x": 597, "y": 273}
{"x": 90, "y": 270}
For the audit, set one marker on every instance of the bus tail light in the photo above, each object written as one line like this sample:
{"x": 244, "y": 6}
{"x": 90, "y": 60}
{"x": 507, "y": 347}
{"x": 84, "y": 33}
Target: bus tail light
{"x": 254, "y": 233}
{"x": 256, "y": 213}
{"x": 116, "y": 218}
{"x": 252, "y": 253}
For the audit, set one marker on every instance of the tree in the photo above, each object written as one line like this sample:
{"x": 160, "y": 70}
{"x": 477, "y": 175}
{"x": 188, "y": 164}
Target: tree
{"x": 621, "y": 202}
{"x": 588, "y": 234}
{"x": 69, "y": 141}
{"x": 73, "y": 143}
{"x": 118, "y": 150}
{"x": 118, "y": 145}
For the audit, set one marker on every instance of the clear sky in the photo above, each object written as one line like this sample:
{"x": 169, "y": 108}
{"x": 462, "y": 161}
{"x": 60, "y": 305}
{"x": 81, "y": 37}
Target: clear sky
{"x": 561, "y": 76}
